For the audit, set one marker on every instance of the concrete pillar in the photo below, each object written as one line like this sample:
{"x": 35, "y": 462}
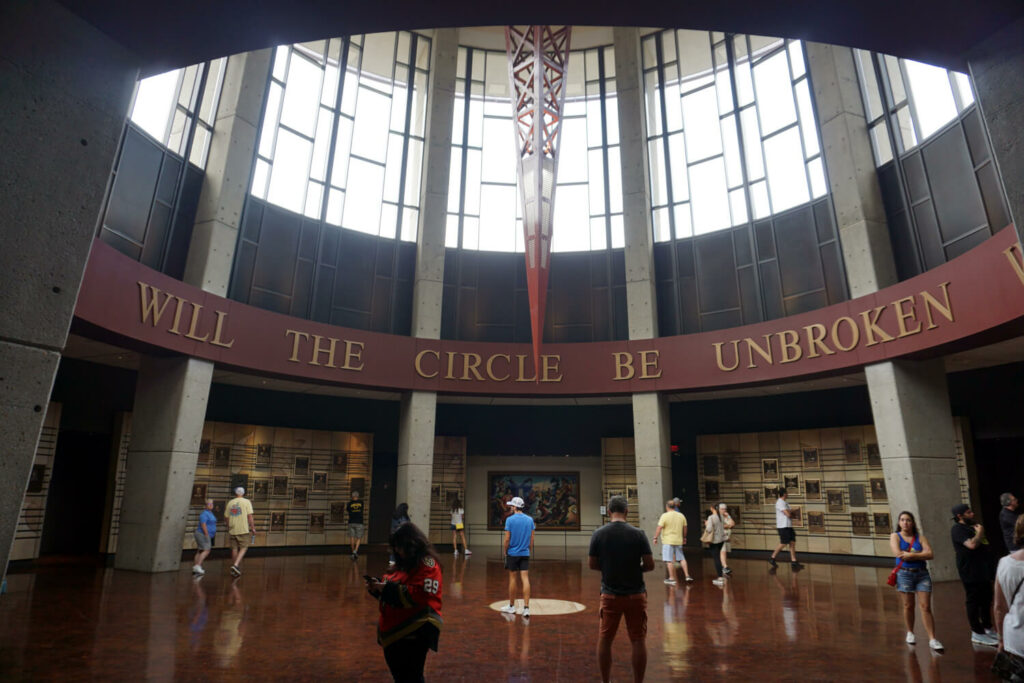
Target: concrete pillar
{"x": 997, "y": 67}
{"x": 171, "y": 394}
{"x": 909, "y": 399}
{"x": 650, "y": 410}
{"x": 419, "y": 408}
{"x": 61, "y": 118}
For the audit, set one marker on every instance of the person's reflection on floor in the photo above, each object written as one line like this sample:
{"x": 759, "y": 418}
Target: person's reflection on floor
{"x": 199, "y": 613}
{"x": 458, "y": 572}
{"x": 790, "y": 603}
{"x": 675, "y": 640}
{"x": 231, "y": 627}
{"x": 518, "y": 649}
{"x": 912, "y": 665}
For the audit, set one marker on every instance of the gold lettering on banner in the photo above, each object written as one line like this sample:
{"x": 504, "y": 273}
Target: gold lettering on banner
{"x": 522, "y": 369}
{"x": 490, "y": 366}
{"x": 765, "y": 353}
{"x": 471, "y": 363}
{"x": 318, "y": 349}
{"x": 735, "y": 355}
{"x": 294, "y": 358}
{"x": 418, "y": 364}
{"x": 789, "y": 342}
{"x": 623, "y": 364}
{"x": 451, "y": 365}
{"x": 353, "y": 350}
{"x": 871, "y": 326}
{"x": 153, "y": 310}
{"x": 1013, "y": 255}
{"x": 930, "y": 302}
{"x": 549, "y": 364}
{"x": 646, "y": 363}
{"x": 816, "y": 340}
{"x": 903, "y": 316}
{"x": 854, "y": 333}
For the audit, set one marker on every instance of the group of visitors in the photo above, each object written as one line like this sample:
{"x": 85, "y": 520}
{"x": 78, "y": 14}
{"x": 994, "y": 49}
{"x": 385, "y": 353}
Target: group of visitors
{"x": 241, "y": 532}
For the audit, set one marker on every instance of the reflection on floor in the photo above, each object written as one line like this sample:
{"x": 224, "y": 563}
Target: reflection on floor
{"x": 308, "y": 617}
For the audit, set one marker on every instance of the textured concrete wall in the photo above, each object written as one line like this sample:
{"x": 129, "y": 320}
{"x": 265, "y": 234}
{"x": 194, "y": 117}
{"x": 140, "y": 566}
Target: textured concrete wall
{"x": 61, "y": 118}
{"x": 416, "y": 454}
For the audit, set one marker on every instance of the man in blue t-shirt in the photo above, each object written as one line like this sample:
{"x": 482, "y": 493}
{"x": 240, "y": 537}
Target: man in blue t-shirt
{"x": 205, "y": 532}
{"x": 516, "y": 546}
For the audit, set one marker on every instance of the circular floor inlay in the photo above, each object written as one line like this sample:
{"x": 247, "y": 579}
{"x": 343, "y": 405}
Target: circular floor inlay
{"x": 543, "y": 607}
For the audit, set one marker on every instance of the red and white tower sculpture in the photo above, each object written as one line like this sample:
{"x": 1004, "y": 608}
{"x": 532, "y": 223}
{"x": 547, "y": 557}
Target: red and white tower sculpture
{"x": 538, "y": 57}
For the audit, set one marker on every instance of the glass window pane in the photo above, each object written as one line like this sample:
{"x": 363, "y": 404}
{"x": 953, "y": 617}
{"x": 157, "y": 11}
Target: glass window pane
{"x": 869, "y": 84}
{"x": 710, "y": 197}
{"x": 471, "y": 233}
{"x": 744, "y": 84}
{"x": 154, "y": 102}
{"x": 662, "y": 227}
{"x": 906, "y": 126}
{"x": 593, "y": 108}
{"x": 499, "y": 152}
{"x": 423, "y": 46}
{"x": 759, "y": 199}
{"x": 650, "y": 54}
{"x": 694, "y": 59}
{"x": 963, "y": 86}
{"x": 378, "y": 58}
{"x": 475, "y": 134}
{"x": 259, "y": 179}
{"x": 774, "y": 93}
{"x": 472, "y": 190}
{"x": 659, "y": 183}
{"x": 598, "y": 233}
{"x": 596, "y": 185}
{"x": 413, "y": 171}
{"x": 350, "y": 84}
{"x": 673, "y": 107}
{"x": 677, "y": 164}
{"x": 933, "y": 96}
{"x": 290, "y": 171}
{"x": 281, "y": 61}
{"x": 322, "y": 143}
{"x": 817, "y": 174}
{"x": 723, "y": 87}
{"x": 388, "y": 220}
{"x": 270, "y": 120}
{"x": 731, "y": 147}
{"x": 301, "y": 95}
{"x": 892, "y": 68}
{"x": 700, "y": 117}
{"x": 329, "y": 91}
{"x": 808, "y": 127}
{"x": 419, "y": 104}
{"x": 880, "y": 141}
{"x": 410, "y": 224}
{"x": 609, "y": 62}
{"x": 362, "y": 208}
{"x": 339, "y": 171}
{"x": 751, "y": 144}
{"x": 399, "y": 103}
{"x": 200, "y": 145}
{"x": 451, "y": 232}
{"x": 614, "y": 180}
{"x": 314, "y": 196}
{"x": 684, "y": 221}
{"x": 370, "y": 135}
{"x": 335, "y": 204}
{"x": 393, "y": 169}
{"x": 189, "y": 82}
{"x": 572, "y": 158}
{"x": 571, "y": 229}
{"x": 796, "y": 59}
{"x": 211, "y": 95}
{"x": 611, "y": 112}
{"x": 653, "y": 108}
{"x": 787, "y": 180}
{"x": 618, "y": 232}
{"x": 402, "y": 51}
{"x": 458, "y": 118}
{"x": 738, "y": 204}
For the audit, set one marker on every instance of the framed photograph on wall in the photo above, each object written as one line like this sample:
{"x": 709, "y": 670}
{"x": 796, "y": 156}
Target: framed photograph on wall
{"x": 710, "y": 465}
{"x": 861, "y": 523}
{"x": 878, "y": 492}
{"x": 835, "y": 500}
{"x": 301, "y": 466}
{"x": 552, "y": 498}
{"x": 435, "y": 492}
{"x": 770, "y": 469}
{"x": 796, "y": 515}
{"x": 851, "y": 449}
{"x": 204, "y": 452}
{"x": 734, "y": 512}
{"x": 711, "y": 491}
{"x": 791, "y": 482}
{"x": 752, "y": 498}
{"x": 260, "y": 489}
{"x": 222, "y": 456}
{"x": 198, "y": 495}
{"x": 277, "y": 521}
{"x": 316, "y": 523}
{"x": 874, "y": 456}
{"x": 451, "y": 495}
{"x": 299, "y": 496}
{"x": 339, "y": 462}
{"x": 812, "y": 489}
{"x": 858, "y": 496}
{"x": 338, "y": 513}
{"x": 631, "y": 494}
{"x": 264, "y": 455}
{"x": 731, "y": 468}
{"x": 811, "y": 461}
{"x": 319, "y": 481}
{"x": 280, "y": 486}
{"x": 815, "y": 522}
{"x": 883, "y": 525}
{"x": 770, "y": 494}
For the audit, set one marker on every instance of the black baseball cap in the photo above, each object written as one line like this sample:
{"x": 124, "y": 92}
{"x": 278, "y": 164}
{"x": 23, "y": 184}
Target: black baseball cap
{"x": 959, "y": 509}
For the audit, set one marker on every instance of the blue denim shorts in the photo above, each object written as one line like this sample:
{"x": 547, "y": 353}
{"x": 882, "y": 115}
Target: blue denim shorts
{"x": 908, "y": 581}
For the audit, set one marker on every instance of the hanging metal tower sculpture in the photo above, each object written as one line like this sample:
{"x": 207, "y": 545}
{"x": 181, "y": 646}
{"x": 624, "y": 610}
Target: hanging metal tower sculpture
{"x": 538, "y": 57}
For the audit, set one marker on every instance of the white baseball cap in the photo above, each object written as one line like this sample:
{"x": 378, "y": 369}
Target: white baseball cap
{"x": 517, "y": 502}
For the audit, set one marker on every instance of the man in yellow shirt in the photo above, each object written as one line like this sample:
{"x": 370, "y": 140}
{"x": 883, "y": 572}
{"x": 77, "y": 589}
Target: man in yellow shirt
{"x": 673, "y": 525}
{"x": 240, "y": 524}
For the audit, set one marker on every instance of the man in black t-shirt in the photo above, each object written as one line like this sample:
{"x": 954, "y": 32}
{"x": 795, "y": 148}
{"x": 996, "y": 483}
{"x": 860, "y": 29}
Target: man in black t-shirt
{"x": 975, "y": 568}
{"x": 355, "y": 523}
{"x": 622, "y": 554}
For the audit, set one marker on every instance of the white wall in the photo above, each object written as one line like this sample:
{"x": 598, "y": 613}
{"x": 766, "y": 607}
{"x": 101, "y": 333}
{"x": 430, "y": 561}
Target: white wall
{"x": 477, "y": 492}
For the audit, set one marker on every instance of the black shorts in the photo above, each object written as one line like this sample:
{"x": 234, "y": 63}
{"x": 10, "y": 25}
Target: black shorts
{"x": 517, "y": 563}
{"x": 786, "y": 534}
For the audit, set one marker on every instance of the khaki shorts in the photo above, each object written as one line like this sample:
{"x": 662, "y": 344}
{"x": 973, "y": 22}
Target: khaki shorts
{"x": 633, "y": 607}
{"x": 239, "y": 541}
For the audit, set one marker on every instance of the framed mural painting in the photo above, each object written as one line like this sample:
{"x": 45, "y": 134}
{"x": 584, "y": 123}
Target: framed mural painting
{"x": 551, "y": 498}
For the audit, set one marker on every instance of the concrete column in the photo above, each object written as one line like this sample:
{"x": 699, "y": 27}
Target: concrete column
{"x": 650, "y": 410}
{"x": 997, "y": 67}
{"x": 171, "y": 394}
{"x": 419, "y": 408}
{"x": 909, "y": 399}
{"x": 61, "y": 118}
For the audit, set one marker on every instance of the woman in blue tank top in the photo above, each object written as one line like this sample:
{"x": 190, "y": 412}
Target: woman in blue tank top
{"x": 911, "y": 549}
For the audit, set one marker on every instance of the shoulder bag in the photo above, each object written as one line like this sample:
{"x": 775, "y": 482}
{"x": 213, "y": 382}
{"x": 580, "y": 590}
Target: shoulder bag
{"x": 709, "y": 533}
{"x": 892, "y": 576}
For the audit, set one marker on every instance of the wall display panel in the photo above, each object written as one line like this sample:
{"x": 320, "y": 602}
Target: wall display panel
{"x": 618, "y": 470}
{"x": 448, "y": 483}
{"x": 836, "y": 492}
{"x": 29, "y": 532}
{"x": 551, "y": 498}
{"x": 287, "y": 474}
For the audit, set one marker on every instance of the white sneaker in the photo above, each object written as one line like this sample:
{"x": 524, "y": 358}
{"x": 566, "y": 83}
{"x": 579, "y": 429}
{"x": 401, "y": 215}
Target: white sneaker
{"x": 199, "y": 571}
{"x": 670, "y": 582}
{"x": 719, "y": 581}
{"x": 910, "y": 638}
{"x": 468, "y": 552}
{"x": 456, "y": 551}
{"x": 984, "y": 639}
{"x": 508, "y": 609}
{"x": 992, "y": 632}
{"x": 935, "y": 644}
{"x": 526, "y": 613}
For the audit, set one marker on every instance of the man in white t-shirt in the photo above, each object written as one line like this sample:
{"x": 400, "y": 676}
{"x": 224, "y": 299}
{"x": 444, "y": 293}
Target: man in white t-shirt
{"x": 787, "y": 536}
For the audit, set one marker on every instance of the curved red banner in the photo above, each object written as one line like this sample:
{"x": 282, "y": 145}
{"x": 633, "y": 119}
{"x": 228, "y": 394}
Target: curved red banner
{"x": 975, "y": 298}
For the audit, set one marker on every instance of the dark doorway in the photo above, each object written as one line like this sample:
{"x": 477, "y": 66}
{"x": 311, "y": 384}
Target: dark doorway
{"x": 1000, "y": 468}
{"x": 74, "y": 505}
{"x": 382, "y": 496}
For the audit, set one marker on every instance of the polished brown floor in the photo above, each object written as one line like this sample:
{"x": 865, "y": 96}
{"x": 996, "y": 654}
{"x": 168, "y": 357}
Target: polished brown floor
{"x": 308, "y": 618}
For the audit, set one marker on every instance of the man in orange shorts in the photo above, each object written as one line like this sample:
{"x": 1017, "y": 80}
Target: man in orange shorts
{"x": 622, "y": 554}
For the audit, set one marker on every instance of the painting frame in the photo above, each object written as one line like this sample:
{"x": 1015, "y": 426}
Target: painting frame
{"x": 320, "y": 481}
{"x": 552, "y": 510}
{"x": 874, "y": 455}
{"x": 812, "y": 489}
{"x": 300, "y": 496}
{"x": 280, "y": 487}
{"x": 879, "y": 494}
{"x": 811, "y": 458}
{"x": 712, "y": 491}
{"x": 860, "y": 524}
{"x": 752, "y": 498}
{"x": 791, "y": 482}
{"x": 316, "y": 522}
{"x": 731, "y": 468}
{"x": 301, "y": 466}
{"x": 338, "y": 512}
{"x": 278, "y": 521}
{"x": 198, "y": 495}
{"x": 883, "y": 523}
{"x": 769, "y": 469}
{"x": 260, "y": 489}
{"x": 815, "y": 522}
{"x": 835, "y": 500}
{"x": 858, "y": 495}
{"x": 222, "y": 457}
{"x": 796, "y": 515}
{"x": 852, "y": 451}
{"x": 264, "y": 455}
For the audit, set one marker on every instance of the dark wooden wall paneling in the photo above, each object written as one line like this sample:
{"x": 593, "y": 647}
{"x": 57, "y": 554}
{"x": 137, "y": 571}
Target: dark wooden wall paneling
{"x": 142, "y": 219}
{"x": 944, "y": 198}
{"x": 485, "y": 297}
{"x": 787, "y": 264}
{"x": 302, "y": 267}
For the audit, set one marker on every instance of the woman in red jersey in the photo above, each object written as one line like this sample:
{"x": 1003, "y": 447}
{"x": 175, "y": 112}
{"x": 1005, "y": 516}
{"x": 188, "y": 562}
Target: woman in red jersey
{"x": 410, "y": 604}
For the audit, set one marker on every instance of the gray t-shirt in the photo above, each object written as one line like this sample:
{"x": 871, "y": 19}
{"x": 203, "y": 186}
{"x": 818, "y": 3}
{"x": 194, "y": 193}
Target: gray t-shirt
{"x": 619, "y": 549}
{"x": 781, "y": 520}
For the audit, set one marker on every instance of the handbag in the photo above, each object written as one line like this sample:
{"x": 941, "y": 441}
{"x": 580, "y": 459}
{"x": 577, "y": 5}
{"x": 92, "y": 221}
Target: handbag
{"x": 708, "y": 536}
{"x": 1008, "y": 666}
{"x": 459, "y": 526}
{"x": 892, "y": 576}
